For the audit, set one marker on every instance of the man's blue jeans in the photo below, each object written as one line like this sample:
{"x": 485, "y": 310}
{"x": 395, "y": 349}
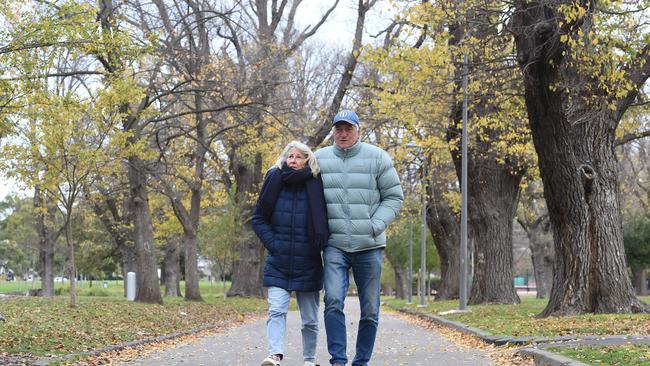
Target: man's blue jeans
{"x": 278, "y": 299}
{"x": 366, "y": 269}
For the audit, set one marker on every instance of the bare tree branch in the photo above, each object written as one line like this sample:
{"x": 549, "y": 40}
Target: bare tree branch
{"x": 631, "y": 137}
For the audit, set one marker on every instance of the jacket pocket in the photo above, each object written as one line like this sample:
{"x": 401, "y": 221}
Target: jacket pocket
{"x": 378, "y": 227}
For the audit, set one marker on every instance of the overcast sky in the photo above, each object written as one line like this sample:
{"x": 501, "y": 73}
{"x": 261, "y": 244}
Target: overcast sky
{"x": 339, "y": 28}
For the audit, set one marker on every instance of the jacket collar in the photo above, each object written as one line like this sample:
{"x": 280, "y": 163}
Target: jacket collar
{"x": 349, "y": 152}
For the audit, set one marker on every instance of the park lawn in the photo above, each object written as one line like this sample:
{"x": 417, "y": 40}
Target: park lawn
{"x": 42, "y": 326}
{"x": 114, "y": 287}
{"x": 19, "y": 286}
{"x": 632, "y": 355}
{"x": 521, "y": 321}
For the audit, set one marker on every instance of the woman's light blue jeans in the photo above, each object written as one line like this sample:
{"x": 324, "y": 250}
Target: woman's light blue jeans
{"x": 278, "y": 299}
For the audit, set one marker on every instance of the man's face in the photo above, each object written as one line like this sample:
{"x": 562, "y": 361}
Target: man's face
{"x": 345, "y": 134}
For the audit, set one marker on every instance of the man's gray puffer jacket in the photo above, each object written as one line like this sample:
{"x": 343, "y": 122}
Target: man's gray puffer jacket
{"x": 363, "y": 195}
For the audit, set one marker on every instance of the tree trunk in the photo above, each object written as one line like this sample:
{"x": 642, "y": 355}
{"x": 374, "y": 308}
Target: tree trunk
{"x": 401, "y": 282}
{"x": 147, "y": 289}
{"x": 493, "y": 193}
{"x": 579, "y": 172}
{"x": 196, "y": 65}
{"x": 172, "y": 268}
{"x": 248, "y": 265}
{"x": 71, "y": 264}
{"x": 543, "y": 257}
{"x": 147, "y": 272}
{"x": 190, "y": 223}
{"x": 640, "y": 281}
{"x": 493, "y": 179}
{"x": 47, "y": 239}
{"x": 575, "y": 147}
{"x": 119, "y": 226}
{"x": 129, "y": 260}
{"x": 192, "y": 292}
{"x": 445, "y": 229}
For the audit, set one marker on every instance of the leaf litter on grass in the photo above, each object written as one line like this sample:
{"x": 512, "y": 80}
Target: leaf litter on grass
{"x": 502, "y": 356}
{"x": 40, "y": 327}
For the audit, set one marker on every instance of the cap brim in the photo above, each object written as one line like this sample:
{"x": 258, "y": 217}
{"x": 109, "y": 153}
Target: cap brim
{"x": 345, "y": 120}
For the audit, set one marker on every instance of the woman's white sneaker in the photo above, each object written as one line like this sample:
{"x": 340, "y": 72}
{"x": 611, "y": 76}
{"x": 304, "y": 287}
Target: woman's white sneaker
{"x": 271, "y": 360}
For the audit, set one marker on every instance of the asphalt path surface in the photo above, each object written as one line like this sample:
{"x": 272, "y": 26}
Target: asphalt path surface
{"x": 399, "y": 342}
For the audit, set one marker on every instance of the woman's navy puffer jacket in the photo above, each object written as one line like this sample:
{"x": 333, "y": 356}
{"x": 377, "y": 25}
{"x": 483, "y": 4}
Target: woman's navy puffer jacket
{"x": 292, "y": 262}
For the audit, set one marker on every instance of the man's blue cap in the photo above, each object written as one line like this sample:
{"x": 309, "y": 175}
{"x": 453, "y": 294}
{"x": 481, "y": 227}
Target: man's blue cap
{"x": 346, "y": 116}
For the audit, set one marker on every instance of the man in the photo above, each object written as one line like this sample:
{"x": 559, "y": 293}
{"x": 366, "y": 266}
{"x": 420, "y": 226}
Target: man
{"x": 363, "y": 195}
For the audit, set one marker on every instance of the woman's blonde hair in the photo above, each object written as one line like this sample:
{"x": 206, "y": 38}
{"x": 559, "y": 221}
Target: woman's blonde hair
{"x": 305, "y": 151}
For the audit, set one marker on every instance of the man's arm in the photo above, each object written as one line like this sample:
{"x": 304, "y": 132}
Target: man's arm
{"x": 391, "y": 195}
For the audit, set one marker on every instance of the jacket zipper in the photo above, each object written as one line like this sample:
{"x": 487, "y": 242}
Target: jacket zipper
{"x": 347, "y": 200}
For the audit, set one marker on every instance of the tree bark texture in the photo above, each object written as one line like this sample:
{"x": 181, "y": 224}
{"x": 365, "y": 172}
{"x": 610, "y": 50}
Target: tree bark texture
{"x": 640, "y": 281}
{"x": 493, "y": 181}
{"x": 575, "y": 146}
{"x": 47, "y": 239}
{"x": 147, "y": 273}
{"x": 401, "y": 282}
{"x": 190, "y": 223}
{"x": 192, "y": 292}
{"x": 129, "y": 260}
{"x": 172, "y": 268}
{"x": 72, "y": 270}
{"x": 493, "y": 192}
{"x": 191, "y": 227}
{"x": 248, "y": 265}
{"x": 445, "y": 229}
{"x": 117, "y": 224}
{"x": 543, "y": 256}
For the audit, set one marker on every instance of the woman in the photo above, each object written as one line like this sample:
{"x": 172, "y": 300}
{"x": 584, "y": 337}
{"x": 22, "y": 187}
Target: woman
{"x": 290, "y": 219}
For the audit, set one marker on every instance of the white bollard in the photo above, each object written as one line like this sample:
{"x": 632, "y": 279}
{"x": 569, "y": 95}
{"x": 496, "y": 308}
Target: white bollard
{"x": 130, "y": 286}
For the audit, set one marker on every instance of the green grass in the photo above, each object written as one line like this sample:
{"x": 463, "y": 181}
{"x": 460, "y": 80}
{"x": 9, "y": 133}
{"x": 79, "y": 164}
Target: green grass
{"x": 43, "y": 326}
{"x": 619, "y": 355}
{"x": 520, "y": 320}
{"x": 18, "y": 286}
{"x": 84, "y": 288}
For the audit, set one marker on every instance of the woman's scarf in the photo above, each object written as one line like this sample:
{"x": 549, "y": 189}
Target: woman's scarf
{"x": 317, "y": 227}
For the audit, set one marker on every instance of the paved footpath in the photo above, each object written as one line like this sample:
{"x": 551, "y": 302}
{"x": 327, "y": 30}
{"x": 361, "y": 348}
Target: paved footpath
{"x": 398, "y": 343}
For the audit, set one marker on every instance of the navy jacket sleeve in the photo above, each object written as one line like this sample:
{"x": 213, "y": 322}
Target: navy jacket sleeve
{"x": 261, "y": 225}
{"x": 263, "y": 229}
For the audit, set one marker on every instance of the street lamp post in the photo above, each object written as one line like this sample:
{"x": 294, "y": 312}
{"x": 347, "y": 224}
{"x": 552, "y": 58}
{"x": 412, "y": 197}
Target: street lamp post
{"x": 423, "y": 252}
{"x": 409, "y": 291}
{"x": 463, "y": 187}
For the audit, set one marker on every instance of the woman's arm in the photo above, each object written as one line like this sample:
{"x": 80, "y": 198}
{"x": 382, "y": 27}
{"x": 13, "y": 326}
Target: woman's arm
{"x": 263, "y": 229}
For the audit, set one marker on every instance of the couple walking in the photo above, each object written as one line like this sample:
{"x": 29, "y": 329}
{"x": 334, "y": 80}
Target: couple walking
{"x": 337, "y": 202}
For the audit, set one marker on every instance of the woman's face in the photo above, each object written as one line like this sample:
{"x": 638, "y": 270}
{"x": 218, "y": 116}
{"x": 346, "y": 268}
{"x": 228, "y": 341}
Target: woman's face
{"x": 295, "y": 159}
